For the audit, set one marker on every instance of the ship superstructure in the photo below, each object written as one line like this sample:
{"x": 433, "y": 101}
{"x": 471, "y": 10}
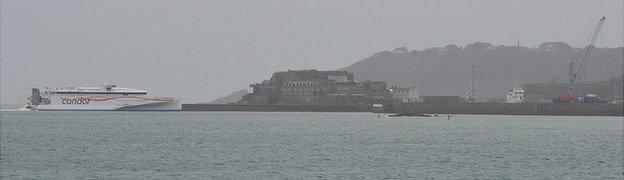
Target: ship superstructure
{"x": 515, "y": 96}
{"x": 102, "y": 98}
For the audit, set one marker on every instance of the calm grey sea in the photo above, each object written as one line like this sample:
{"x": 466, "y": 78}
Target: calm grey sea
{"x": 237, "y": 145}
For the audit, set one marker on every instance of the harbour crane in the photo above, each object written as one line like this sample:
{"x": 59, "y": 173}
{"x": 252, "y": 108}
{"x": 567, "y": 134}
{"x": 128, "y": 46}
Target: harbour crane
{"x": 471, "y": 96}
{"x": 570, "y": 95}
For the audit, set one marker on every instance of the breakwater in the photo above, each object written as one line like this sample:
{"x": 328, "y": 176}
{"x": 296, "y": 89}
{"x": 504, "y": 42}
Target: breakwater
{"x": 551, "y": 109}
{"x": 276, "y": 108}
{"x": 432, "y": 108}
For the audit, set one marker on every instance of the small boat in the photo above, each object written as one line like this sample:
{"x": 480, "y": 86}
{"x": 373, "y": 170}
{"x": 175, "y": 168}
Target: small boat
{"x": 411, "y": 115}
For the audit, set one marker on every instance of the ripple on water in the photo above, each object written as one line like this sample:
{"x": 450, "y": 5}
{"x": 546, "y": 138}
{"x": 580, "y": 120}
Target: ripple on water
{"x": 184, "y": 145}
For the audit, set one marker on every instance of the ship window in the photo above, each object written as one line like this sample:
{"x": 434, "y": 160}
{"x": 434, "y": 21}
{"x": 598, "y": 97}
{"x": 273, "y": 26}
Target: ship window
{"x": 125, "y": 94}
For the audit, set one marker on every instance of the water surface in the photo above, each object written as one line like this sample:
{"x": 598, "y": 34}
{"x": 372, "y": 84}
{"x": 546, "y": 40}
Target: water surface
{"x": 240, "y": 145}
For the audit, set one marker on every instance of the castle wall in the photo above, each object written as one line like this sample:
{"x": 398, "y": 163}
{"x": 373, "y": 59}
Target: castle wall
{"x": 315, "y": 87}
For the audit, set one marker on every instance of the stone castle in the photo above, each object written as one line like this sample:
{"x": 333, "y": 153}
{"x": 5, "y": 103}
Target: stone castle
{"x": 316, "y": 87}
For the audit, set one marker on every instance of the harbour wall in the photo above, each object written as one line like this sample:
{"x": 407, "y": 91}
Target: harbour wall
{"x": 551, "y": 109}
{"x": 276, "y": 108}
{"x": 432, "y": 108}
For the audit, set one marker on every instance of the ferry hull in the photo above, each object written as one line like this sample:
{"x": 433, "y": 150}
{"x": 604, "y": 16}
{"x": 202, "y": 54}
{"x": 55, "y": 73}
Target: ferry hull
{"x": 108, "y": 103}
{"x": 105, "y": 98}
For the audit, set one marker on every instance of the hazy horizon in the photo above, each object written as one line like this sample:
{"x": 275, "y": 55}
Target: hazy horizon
{"x": 200, "y": 50}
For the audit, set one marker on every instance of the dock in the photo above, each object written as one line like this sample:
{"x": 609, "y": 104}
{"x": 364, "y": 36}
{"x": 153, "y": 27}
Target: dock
{"x": 546, "y": 109}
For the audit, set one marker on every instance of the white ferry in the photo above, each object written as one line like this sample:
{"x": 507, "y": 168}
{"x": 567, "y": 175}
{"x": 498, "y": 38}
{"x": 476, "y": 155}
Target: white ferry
{"x": 103, "y": 98}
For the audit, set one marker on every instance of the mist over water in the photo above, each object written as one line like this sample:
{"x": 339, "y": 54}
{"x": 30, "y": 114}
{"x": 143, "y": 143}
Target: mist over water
{"x": 219, "y": 145}
{"x": 197, "y": 51}
{"x": 201, "y": 50}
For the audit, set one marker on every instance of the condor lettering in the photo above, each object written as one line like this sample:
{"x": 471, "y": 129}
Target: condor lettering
{"x": 79, "y": 100}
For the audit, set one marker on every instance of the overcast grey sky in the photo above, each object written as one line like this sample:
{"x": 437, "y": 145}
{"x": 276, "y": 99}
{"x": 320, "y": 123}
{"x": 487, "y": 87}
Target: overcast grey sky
{"x": 200, "y": 50}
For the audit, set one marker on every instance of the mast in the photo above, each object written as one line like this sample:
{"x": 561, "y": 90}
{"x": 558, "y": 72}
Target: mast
{"x": 472, "y": 94}
{"x": 571, "y": 73}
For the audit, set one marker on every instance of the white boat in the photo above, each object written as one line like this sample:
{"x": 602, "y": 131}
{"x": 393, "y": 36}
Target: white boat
{"x": 103, "y": 98}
